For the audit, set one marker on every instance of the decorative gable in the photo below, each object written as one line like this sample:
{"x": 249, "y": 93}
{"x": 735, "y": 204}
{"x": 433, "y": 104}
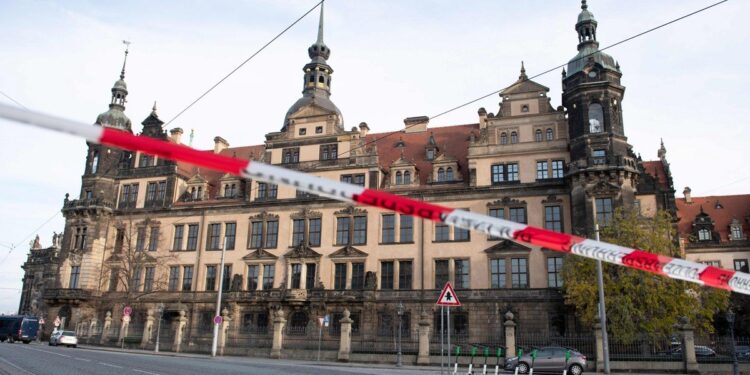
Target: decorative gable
{"x": 301, "y": 251}
{"x": 259, "y": 255}
{"x": 506, "y": 246}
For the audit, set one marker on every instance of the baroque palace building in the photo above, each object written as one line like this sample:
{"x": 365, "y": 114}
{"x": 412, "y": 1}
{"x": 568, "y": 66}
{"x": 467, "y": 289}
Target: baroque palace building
{"x": 144, "y": 231}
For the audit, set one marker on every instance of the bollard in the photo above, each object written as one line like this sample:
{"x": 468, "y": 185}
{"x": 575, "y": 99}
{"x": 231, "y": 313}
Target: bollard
{"x": 458, "y": 354}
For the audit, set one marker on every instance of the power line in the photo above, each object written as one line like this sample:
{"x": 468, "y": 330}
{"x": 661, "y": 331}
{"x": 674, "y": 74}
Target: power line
{"x": 14, "y": 100}
{"x": 541, "y": 74}
{"x": 731, "y": 183}
{"x": 14, "y": 246}
{"x": 244, "y": 62}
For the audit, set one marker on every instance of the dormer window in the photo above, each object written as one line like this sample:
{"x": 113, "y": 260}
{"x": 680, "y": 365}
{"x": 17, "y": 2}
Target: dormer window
{"x": 735, "y": 231}
{"x": 513, "y": 137}
{"x": 430, "y": 153}
{"x": 290, "y": 155}
{"x": 441, "y": 175}
{"x": 449, "y": 174}
{"x": 407, "y": 178}
{"x": 230, "y": 190}
{"x": 704, "y": 235}
{"x": 399, "y": 178}
{"x": 538, "y": 135}
{"x": 525, "y": 108}
{"x": 503, "y": 138}
{"x": 402, "y": 178}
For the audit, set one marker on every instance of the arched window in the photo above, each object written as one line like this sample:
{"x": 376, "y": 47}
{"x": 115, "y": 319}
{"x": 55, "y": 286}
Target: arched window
{"x": 513, "y": 137}
{"x": 449, "y": 174}
{"x": 399, "y": 178}
{"x": 441, "y": 174}
{"x": 596, "y": 118}
{"x": 200, "y": 193}
{"x": 503, "y": 138}
{"x": 194, "y": 193}
{"x": 704, "y": 235}
{"x": 550, "y": 134}
{"x": 538, "y": 135}
{"x": 312, "y": 78}
{"x": 297, "y": 323}
{"x": 95, "y": 162}
{"x": 407, "y": 178}
{"x": 525, "y": 108}
{"x": 322, "y": 79}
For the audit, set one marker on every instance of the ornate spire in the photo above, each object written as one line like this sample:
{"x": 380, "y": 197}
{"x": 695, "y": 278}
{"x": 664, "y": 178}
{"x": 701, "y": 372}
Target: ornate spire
{"x": 320, "y": 25}
{"x": 318, "y": 52}
{"x": 115, "y": 117}
{"x": 523, "y": 75}
{"x": 153, "y": 110}
{"x": 125, "y": 61}
{"x": 583, "y": 5}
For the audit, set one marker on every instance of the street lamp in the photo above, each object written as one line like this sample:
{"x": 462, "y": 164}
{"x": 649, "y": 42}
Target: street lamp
{"x": 400, "y": 312}
{"x": 735, "y": 365}
{"x": 160, "y": 309}
{"x": 602, "y": 306}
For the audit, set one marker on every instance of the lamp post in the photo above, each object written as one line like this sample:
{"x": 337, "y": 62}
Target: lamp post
{"x": 400, "y": 312}
{"x": 730, "y": 320}
{"x": 215, "y": 342}
{"x": 160, "y": 309}
{"x": 602, "y": 306}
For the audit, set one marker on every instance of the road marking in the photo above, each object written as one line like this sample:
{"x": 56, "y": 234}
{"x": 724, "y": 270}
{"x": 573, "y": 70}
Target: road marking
{"x": 82, "y": 359}
{"x": 109, "y": 364}
{"x": 145, "y": 372}
{"x": 47, "y": 351}
{"x": 8, "y": 362}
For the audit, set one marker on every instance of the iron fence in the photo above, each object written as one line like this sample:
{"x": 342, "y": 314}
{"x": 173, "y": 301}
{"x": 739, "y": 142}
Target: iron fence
{"x": 584, "y": 344}
{"x": 650, "y": 350}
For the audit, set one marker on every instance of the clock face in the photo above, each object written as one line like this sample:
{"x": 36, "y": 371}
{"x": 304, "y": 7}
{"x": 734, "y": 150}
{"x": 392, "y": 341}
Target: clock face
{"x": 592, "y": 74}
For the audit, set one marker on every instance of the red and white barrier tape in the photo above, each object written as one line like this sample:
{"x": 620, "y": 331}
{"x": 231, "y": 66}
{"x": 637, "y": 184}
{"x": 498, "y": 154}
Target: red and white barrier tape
{"x": 661, "y": 265}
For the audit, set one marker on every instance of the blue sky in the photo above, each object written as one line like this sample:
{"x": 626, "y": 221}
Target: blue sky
{"x": 393, "y": 59}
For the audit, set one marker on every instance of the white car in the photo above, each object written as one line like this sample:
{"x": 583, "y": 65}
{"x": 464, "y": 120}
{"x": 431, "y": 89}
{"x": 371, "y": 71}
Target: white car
{"x": 67, "y": 338}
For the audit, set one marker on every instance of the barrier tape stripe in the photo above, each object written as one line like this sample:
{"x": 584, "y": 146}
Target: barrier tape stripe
{"x": 634, "y": 258}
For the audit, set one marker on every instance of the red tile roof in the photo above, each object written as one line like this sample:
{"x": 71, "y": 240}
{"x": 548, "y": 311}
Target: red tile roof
{"x": 656, "y": 169}
{"x": 732, "y": 207}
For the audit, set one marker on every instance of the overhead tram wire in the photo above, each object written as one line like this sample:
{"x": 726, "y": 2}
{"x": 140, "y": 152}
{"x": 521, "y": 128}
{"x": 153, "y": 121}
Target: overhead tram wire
{"x": 244, "y": 62}
{"x": 14, "y": 100}
{"x": 539, "y": 74}
{"x": 14, "y": 246}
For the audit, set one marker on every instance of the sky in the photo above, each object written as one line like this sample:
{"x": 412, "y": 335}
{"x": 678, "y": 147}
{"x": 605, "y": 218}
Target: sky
{"x": 686, "y": 83}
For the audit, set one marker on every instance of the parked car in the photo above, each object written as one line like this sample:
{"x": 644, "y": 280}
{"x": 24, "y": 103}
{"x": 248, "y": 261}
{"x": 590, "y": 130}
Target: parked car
{"x": 743, "y": 351}
{"x": 67, "y": 338}
{"x": 548, "y": 359}
{"x": 18, "y": 328}
{"x": 700, "y": 351}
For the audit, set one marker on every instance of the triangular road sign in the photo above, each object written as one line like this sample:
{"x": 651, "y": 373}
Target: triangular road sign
{"x": 448, "y": 297}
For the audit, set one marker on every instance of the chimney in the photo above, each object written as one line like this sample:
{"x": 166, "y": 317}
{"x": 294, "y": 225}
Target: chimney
{"x": 220, "y": 144}
{"x": 176, "y": 135}
{"x": 686, "y": 193}
{"x": 363, "y": 129}
{"x": 416, "y": 124}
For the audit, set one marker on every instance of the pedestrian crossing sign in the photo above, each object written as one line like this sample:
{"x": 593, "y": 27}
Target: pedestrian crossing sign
{"x": 448, "y": 297}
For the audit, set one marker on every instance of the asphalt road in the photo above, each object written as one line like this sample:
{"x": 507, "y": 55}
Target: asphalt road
{"x": 40, "y": 359}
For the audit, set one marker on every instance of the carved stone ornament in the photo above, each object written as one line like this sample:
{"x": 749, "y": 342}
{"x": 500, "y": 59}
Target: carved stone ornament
{"x": 75, "y": 258}
{"x": 506, "y": 245}
{"x": 260, "y": 254}
{"x": 348, "y": 251}
{"x": 350, "y": 211}
{"x": 552, "y": 198}
{"x": 301, "y": 251}
{"x": 505, "y": 202}
{"x": 306, "y": 213}
{"x": 264, "y": 216}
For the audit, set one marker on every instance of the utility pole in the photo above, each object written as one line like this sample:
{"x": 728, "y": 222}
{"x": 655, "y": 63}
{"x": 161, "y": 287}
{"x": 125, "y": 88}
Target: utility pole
{"x": 217, "y": 321}
{"x": 602, "y": 306}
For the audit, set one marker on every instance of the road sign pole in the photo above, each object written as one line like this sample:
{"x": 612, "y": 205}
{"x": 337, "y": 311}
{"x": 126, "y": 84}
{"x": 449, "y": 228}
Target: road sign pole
{"x": 218, "y": 299}
{"x": 442, "y": 337}
{"x": 448, "y": 318}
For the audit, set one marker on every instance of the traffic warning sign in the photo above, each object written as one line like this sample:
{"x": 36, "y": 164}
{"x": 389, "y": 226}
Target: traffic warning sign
{"x": 448, "y": 297}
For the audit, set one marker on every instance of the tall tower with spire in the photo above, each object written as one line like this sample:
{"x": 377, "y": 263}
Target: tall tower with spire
{"x": 603, "y": 169}
{"x": 316, "y": 88}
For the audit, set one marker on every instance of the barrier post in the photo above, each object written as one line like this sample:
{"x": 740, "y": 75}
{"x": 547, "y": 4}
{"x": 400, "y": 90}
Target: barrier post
{"x": 533, "y": 359}
{"x": 520, "y": 353}
{"x": 498, "y": 353}
{"x": 471, "y": 360}
{"x": 486, "y": 354}
{"x": 458, "y": 354}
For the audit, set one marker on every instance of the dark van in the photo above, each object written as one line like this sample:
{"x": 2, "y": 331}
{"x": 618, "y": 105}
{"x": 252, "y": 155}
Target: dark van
{"x": 18, "y": 328}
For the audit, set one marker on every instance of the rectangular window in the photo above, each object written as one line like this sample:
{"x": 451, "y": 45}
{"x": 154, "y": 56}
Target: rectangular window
{"x": 604, "y": 211}
{"x": 114, "y": 278}
{"x": 715, "y": 263}
{"x": 558, "y": 168}
{"x": 269, "y": 271}
{"x": 442, "y": 232}
{"x": 442, "y": 274}
{"x": 406, "y": 229}
{"x": 386, "y": 275}
{"x": 497, "y": 273}
{"x": 498, "y": 213}
{"x": 360, "y": 230}
{"x": 174, "y": 278}
{"x": 178, "y": 234}
{"x": 298, "y": 231}
{"x": 227, "y": 279}
{"x": 135, "y": 281}
{"x": 461, "y": 268}
{"x": 290, "y": 155}
{"x": 296, "y": 275}
{"x": 315, "y": 229}
{"x": 460, "y": 234}
{"x": 192, "y": 240}
{"x": 252, "y": 277}
{"x": 553, "y": 218}
{"x": 339, "y": 276}
{"x": 150, "y": 193}
{"x": 214, "y": 237}
{"x": 230, "y": 230}
{"x": 256, "y": 236}
{"x": 75, "y": 274}
{"x": 542, "y": 172}
{"x": 519, "y": 273}
{"x": 356, "y": 179}
{"x": 329, "y": 152}
{"x": 389, "y": 229}
{"x": 210, "y": 278}
{"x": 554, "y": 272}
{"x": 358, "y": 276}
{"x": 342, "y": 230}
{"x": 148, "y": 282}
{"x": 272, "y": 234}
{"x": 741, "y": 265}
{"x": 498, "y": 173}
{"x": 404, "y": 274}
{"x": 140, "y": 239}
{"x": 518, "y": 214}
{"x": 310, "y": 275}
{"x": 187, "y": 278}
{"x": 161, "y": 191}
{"x": 267, "y": 191}
{"x": 512, "y": 170}
{"x": 153, "y": 239}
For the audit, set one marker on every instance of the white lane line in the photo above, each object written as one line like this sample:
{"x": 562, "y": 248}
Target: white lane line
{"x": 146, "y": 372}
{"x": 82, "y": 359}
{"x": 109, "y": 365}
{"x": 47, "y": 351}
{"x": 24, "y": 370}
